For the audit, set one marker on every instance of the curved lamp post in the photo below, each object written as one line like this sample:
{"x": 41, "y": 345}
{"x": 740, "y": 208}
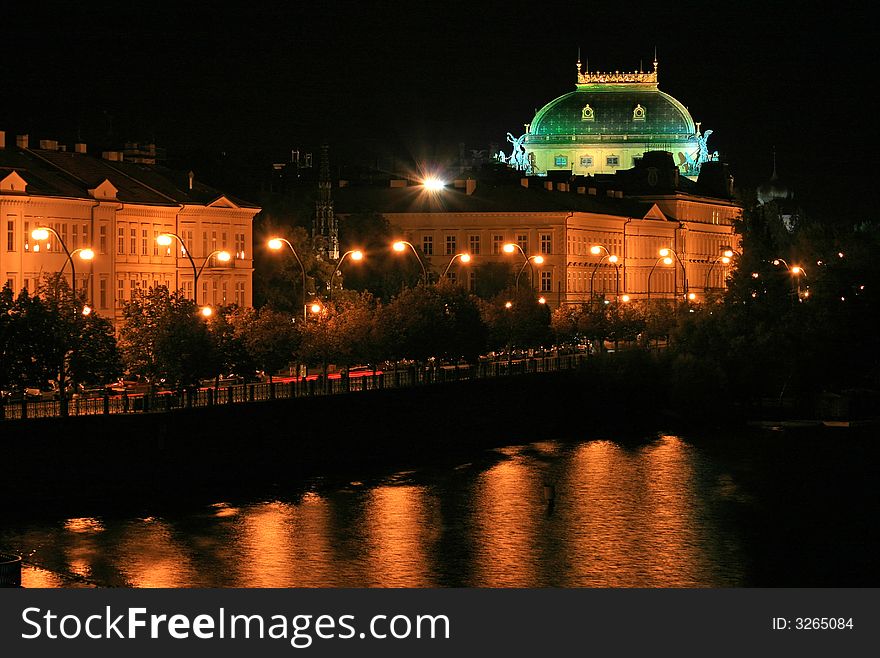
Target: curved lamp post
{"x": 42, "y": 233}
{"x": 465, "y": 258}
{"x": 724, "y": 259}
{"x": 511, "y": 247}
{"x": 664, "y": 253}
{"x": 165, "y": 239}
{"x": 539, "y": 260}
{"x": 401, "y": 245}
{"x": 797, "y": 270}
{"x": 275, "y": 244}
{"x": 666, "y": 260}
{"x": 356, "y": 254}
{"x": 612, "y": 258}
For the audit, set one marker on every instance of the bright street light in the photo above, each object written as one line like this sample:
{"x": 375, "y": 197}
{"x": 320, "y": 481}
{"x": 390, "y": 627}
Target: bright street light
{"x": 401, "y": 245}
{"x": 206, "y": 311}
{"x": 432, "y": 184}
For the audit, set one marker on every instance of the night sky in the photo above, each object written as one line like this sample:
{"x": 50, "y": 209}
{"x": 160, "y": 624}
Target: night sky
{"x": 416, "y": 79}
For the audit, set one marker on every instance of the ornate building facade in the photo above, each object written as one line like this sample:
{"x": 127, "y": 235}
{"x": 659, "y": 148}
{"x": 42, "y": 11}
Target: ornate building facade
{"x": 631, "y": 216}
{"x": 119, "y": 209}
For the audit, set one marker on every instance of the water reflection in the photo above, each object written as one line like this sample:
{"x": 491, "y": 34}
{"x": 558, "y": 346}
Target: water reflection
{"x": 547, "y": 514}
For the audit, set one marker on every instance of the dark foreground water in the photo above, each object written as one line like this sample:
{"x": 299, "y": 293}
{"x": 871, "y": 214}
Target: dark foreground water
{"x": 754, "y": 509}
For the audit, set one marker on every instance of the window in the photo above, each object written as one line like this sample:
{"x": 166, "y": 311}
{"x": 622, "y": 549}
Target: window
{"x": 428, "y": 245}
{"x": 560, "y": 160}
{"x": 452, "y": 276}
{"x": 638, "y": 113}
{"x": 239, "y": 245}
{"x": 587, "y": 113}
{"x": 155, "y": 241}
{"x": 546, "y": 281}
{"x": 102, "y": 242}
{"x": 214, "y": 291}
{"x": 523, "y": 241}
{"x": 472, "y": 280}
{"x": 450, "y": 245}
{"x": 612, "y": 161}
{"x": 10, "y": 236}
{"x": 11, "y": 283}
{"x": 188, "y": 289}
{"x": 27, "y": 232}
{"x": 74, "y": 237}
{"x": 144, "y": 242}
{"x": 133, "y": 234}
{"x": 120, "y": 292}
{"x": 223, "y": 291}
{"x": 205, "y": 291}
{"x": 205, "y": 251}
{"x": 586, "y": 161}
{"x": 132, "y": 286}
{"x": 474, "y": 245}
{"x": 546, "y": 243}
{"x": 103, "y": 293}
{"x": 85, "y": 236}
{"x": 497, "y": 243}
{"x": 120, "y": 247}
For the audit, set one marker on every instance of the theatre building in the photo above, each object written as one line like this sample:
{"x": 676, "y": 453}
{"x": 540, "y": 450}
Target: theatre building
{"x": 630, "y": 216}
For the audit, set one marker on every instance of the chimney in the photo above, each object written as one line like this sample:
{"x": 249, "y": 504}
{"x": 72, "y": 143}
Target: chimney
{"x": 112, "y": 156}
{"x": 581, "y": 189}
{"x": 618, "y": 194}
{"x": 343, "y": 182}
{"x": 592, "y": 191}
{"x": 459, "y": 183}
{"x": 562, "y": 187}
{"x": 79, "y": 147}
{"x": 524, "y": 182}
{"x": 191, "y": 176}
{"x": 471, "y": 185}
{"x": 2, "y": 139}
{"x": 21, "y": 141}
{"x": 398, "y": 182}
{"x": 548, "y": 185}
{"x": 49, "y": 144}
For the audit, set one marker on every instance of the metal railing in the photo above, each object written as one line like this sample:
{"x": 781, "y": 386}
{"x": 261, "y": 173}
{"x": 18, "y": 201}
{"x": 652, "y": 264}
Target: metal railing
{"x": 401, "y": 377}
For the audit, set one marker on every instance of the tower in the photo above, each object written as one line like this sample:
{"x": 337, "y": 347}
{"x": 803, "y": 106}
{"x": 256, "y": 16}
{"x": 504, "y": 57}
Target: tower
{"x": 325, "y": 229}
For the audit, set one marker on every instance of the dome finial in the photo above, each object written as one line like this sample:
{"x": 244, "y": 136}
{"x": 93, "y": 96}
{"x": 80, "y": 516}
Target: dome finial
{"x": 579, "y": 60}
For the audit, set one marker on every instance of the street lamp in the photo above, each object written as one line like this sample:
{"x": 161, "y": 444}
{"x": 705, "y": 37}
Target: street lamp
{"x": 511, "y": 247}
{"x": 664, "y": 253}
{"x": 356, "y": 255}
{"x": 465, "y": 258}
{"x": 165, "y": 239}
{"x": 666, "y": 260}
{"x": 401, "y": 245}
{"x": 724, "y": 258}
{"x": 797, "y": 270}
{"x": 612, "y": 258}
{"x": 432, "y": 184}
{"x": 539, "y": 260}
{"x": 275, "y": 244}
{"x": 42, "y": 233}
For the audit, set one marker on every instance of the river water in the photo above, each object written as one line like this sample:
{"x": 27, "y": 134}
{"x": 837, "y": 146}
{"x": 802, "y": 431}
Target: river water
{"x": 767, "y": 509}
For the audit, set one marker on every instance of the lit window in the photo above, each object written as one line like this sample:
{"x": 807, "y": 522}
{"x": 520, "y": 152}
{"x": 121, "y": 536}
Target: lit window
{"x": 497, "y": 243}
{"x": 546, "y": 281}
{"x": 586, "y": 161}
{"x": 560, "y": 160}
{"x": 587, "y": 113}
{"x": 428, "y": 245}
{"x": 639, "y": 113}
{"x": 474, "y": 245}
{"x": 546, "y": 243}
{"x": 612, "y": 161}
{"x": 450, "y": 245}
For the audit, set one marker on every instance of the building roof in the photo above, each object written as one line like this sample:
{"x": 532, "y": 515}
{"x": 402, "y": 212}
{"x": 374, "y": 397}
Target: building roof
{"x": 642, "y": 113}
{"x": 72, "y": 175}
{"x": 487, "y": 197}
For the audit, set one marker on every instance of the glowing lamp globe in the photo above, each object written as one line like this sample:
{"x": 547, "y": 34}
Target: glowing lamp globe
{"x": 357, "y": 255}
{"x": 275, "y": 243}
{"x": 87, "y": 254}
{"x": 164, "y": 239}
{"x": 399, "y": 246}
{"x": 40, "y": 234}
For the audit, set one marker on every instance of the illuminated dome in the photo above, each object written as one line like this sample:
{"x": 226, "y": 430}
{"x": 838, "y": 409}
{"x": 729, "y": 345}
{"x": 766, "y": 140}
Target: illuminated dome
{"x": 608, "y": 122}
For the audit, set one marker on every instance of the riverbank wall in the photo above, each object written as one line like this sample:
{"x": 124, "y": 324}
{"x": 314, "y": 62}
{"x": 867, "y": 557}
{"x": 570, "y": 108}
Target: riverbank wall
{"x": 278, "y": 440}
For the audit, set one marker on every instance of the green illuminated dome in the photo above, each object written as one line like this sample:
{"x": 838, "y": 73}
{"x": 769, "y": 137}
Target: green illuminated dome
{"x": 608, "y": 122}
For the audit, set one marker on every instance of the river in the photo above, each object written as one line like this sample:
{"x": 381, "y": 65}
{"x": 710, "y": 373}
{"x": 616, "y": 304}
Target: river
{"x": 739, "y": 509}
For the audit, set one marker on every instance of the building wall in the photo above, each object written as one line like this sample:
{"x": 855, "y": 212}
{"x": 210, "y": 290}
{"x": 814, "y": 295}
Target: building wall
{"x": 127, "y": 256}
{"x": 565, "y": 240}
{"x": 545, "y": 155}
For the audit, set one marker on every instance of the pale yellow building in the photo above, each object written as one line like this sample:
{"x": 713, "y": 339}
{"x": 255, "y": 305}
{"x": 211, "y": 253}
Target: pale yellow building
{"x": 118, "y": 209}
{"x": 632, "y": 216}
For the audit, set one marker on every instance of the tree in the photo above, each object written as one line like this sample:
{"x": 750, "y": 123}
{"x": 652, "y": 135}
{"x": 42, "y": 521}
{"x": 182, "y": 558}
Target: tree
{"x": 441, "y": 321}
{"x": 271, "y": 339}
{"x": 163, "y": 337}
{"x": 341, "y": 332}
